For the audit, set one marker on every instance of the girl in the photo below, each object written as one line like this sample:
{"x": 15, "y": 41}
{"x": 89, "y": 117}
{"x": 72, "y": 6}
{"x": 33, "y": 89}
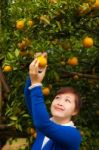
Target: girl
{"x": 57, "y": 132}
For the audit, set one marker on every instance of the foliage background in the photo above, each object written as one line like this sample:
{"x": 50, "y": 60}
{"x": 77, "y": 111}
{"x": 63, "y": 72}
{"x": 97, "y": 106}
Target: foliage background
{"x": 58, "y": 28}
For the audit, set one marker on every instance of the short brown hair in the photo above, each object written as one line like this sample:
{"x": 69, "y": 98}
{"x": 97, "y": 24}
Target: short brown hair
{"x": 64, "y": 90}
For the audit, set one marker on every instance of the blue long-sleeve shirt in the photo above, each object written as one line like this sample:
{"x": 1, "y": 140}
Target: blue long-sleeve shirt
{"x": 61, "y": 137}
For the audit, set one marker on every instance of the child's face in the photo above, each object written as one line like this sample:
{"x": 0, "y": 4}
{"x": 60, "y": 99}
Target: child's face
{"x": 63, "y": 106}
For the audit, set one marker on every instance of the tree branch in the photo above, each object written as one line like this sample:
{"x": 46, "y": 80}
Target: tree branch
{"x": 3, "y": 81}
{"x": 80, "y": 75}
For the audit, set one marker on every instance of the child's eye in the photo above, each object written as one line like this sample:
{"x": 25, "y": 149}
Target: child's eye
{"x": 57, "y": 97}
{"x": 67, "y": 100}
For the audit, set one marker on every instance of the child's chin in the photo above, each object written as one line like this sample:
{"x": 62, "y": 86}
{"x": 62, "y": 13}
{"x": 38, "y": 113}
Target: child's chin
{"x": 57, "y": 114}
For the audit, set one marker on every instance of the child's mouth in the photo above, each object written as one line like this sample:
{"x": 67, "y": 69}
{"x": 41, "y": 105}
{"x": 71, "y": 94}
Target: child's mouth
{"x": 58, "y": 108}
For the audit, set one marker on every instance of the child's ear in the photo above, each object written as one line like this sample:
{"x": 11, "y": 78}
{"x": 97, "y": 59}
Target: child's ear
{"x": 75, "y": 113}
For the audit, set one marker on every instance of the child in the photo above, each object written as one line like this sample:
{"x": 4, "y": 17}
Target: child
{"x": 58, "y": 132}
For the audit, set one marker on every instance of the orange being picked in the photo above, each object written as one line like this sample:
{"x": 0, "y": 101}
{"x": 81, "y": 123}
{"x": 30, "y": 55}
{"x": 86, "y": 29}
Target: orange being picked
{"x": 20, "y": 24}
{"x": 46, "y": 91}
{"x": 7, "y": 68}
{"x": 73, "y": 61}
{"x": 42, "y": 61}
{"x": 87, "y": 42}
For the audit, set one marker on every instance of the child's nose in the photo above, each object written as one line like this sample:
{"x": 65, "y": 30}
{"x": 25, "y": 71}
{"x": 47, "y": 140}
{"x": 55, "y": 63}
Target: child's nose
{"x": 60, "y": 104}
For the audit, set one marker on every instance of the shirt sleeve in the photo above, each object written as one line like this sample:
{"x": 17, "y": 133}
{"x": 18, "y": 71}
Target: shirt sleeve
{"x": 65, "y": 135}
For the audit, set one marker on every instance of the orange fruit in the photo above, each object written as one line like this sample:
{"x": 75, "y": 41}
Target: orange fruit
{"x": 35, "y": 135}
{"x": 7, "y": 68}
{"x": 73, "y": 61}
{"x": 30, "y": 23}
{"x": 96, "y": 5}
{"x": 46, "y": 91}
{"x": 87, "y": 42}
{"x": 20, "y": 24}
{"x": 42, "y": 61}
{"x": 30, "y": 130}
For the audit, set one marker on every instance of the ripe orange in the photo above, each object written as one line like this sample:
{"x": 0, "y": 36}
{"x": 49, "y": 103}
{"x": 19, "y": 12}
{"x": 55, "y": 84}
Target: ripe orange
{"x": 30, "y": 23}
{"x": 73, "y": 61}
{"x": 96, "y": 5}
{"x": 35, "y": 135}
{"x": 30, "y": 130}
{"x": 42, "y": 61}
{"x": 46, "y": 91}
{"x": 87, "y": 42}
{"x": 7, "y": 68}
{"x": 20, "y": 24}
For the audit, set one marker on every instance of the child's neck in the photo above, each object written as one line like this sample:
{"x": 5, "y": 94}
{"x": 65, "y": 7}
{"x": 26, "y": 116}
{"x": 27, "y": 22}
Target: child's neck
{"x": 61, "y": 120}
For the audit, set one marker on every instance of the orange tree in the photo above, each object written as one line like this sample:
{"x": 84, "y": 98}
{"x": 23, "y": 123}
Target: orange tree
{"x": 69, "y": 32}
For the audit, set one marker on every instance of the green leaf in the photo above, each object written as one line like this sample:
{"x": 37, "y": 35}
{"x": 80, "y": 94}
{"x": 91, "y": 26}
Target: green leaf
{"x": 14, "y": 118}
{"x": 25, "y": 115}
{"x": 16, "y": 52}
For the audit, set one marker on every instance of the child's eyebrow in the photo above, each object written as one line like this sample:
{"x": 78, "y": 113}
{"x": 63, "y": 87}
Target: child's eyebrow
{"x": 68, "y": 97}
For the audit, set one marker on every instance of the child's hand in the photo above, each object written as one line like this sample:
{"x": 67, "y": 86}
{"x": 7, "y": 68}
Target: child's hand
{"x": 35, "y": 75}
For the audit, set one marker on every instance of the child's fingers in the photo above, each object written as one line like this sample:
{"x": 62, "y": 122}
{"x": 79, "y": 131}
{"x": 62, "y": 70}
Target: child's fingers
{"x": 44, "y": 54}
{"x": 32, "y": 65}
{"x": 44, "y": 70}
{"x": 37, "y": 66}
